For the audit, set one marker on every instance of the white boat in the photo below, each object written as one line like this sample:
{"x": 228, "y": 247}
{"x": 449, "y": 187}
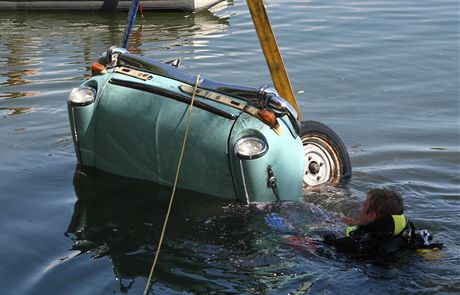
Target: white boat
{"x": 186, "y": 5}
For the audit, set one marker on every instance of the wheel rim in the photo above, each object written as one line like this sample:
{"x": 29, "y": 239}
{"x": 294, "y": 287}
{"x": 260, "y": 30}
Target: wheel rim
{"x": 319, "y": 164}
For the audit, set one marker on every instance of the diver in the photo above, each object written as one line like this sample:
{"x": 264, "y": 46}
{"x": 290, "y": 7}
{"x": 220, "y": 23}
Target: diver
{"x": 382, "y": 229}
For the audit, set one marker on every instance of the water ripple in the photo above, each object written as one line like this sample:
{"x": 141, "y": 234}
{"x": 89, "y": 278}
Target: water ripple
{"x": 382, "y": 74}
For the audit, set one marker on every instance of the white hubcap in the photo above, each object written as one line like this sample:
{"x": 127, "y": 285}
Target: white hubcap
{"x": 318, "y": 164}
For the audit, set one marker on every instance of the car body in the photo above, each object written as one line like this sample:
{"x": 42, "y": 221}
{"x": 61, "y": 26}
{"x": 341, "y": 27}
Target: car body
{"x": 132, "y": 117}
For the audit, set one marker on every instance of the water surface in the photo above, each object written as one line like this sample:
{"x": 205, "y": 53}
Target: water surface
{"x": 383, "y": 74}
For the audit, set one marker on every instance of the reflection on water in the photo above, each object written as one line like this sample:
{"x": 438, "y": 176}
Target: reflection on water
{"x": 18, "y": 66}
{"x": 14, "y": 111}
{"x": 177, "y": 31}
{"x": 215, "y": 246}
{"x": 17, "y": 94}
{"x": 383, "y": 74}
{"x": 18, "y": 77}
{"x": 207, "y": 238}
{"x": 210, "y": 245}
{"x": 25, "y": 49}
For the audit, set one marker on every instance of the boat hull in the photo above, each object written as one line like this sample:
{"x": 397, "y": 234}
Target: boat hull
{"x": 185, "y": 5}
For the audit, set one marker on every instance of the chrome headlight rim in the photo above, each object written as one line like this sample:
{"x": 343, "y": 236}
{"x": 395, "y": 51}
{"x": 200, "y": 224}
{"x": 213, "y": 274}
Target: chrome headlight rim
{"x": 80, "y": 103}
{"x": 245, "y": 156}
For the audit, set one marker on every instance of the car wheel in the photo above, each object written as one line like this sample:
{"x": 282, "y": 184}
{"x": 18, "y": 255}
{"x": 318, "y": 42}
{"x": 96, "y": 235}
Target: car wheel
{"x": 326, "y": 160}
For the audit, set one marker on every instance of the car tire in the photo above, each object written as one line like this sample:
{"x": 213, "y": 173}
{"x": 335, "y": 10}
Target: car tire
{"x": 326, "y": 160}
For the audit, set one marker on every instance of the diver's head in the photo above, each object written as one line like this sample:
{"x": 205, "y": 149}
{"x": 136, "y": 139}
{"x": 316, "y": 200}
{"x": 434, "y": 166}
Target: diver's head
{"x": 381, "y": 202}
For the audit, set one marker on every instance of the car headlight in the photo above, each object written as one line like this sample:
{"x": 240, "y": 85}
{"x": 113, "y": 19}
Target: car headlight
{"x": 250, "y": 148}
{"x": 82, "y": 96}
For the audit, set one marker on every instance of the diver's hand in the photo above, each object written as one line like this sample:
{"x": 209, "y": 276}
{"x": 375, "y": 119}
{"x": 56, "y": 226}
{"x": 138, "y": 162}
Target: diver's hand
{"x": 277, "y": 223}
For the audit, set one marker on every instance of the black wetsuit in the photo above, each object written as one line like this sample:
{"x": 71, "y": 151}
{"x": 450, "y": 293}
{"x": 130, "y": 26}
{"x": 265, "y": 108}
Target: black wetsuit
{"x": 382, "y": 237}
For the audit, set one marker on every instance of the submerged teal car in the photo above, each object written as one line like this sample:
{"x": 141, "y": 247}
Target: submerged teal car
{"x": 243, "y": 143}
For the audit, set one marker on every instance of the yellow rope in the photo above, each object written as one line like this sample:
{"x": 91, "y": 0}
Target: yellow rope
{"x": 148, "y": 285}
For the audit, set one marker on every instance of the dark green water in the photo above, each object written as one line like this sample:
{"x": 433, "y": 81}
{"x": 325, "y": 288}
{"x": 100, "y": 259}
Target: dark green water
{"x": 383, "y": 74}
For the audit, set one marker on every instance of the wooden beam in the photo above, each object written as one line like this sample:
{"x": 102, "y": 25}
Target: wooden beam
{"x": 271, "y": 52}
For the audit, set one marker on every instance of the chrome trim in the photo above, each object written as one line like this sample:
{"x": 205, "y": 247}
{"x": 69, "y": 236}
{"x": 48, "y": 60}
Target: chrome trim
{"x": 76, "y": 138}
{"x": 244, "y": 182}
{"x": 112, "y": 54}
{"x": 268, "y": 97}
{"x": 263, "y": 95}
{"x": 280, "y": 104}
